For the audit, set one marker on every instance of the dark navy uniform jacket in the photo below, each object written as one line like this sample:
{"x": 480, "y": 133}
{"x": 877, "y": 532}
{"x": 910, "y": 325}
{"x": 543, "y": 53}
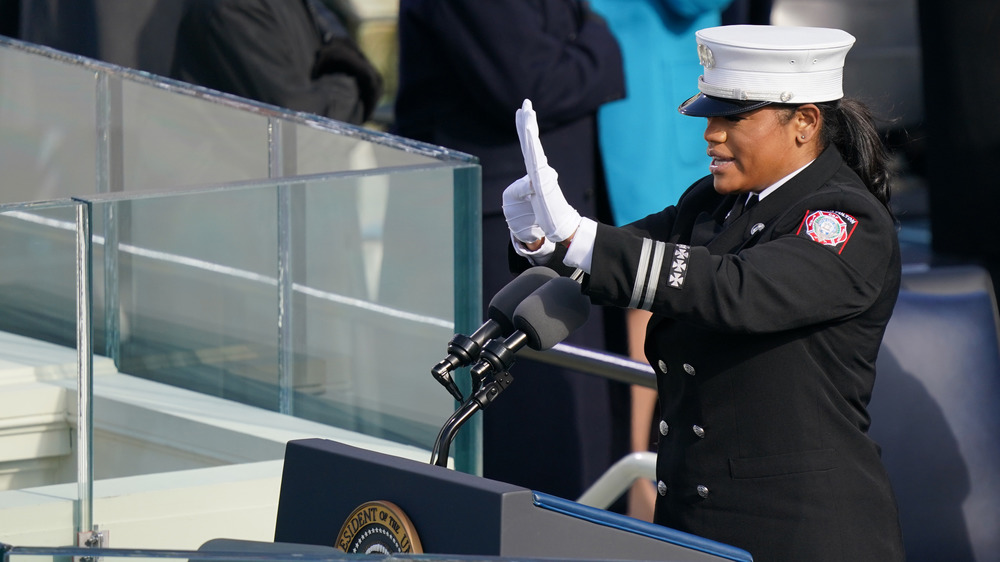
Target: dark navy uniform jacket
{"x": 764, "y": 336}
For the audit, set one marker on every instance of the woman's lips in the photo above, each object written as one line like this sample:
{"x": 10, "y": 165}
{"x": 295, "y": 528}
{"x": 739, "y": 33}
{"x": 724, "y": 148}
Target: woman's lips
{"x": 719, "y": 163}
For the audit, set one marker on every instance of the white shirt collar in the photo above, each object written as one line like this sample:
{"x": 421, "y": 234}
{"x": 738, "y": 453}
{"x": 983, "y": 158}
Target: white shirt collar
{"x": 771, "y": 188}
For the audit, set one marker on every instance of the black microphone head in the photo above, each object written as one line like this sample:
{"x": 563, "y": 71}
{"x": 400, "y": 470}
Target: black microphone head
{"x": 551, "y": 313}
{"x": 503, "y": 304}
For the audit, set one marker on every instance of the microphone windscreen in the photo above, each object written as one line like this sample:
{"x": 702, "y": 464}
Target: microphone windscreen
{"x": 551, "y": 313}
{"x": 503, "y": 304}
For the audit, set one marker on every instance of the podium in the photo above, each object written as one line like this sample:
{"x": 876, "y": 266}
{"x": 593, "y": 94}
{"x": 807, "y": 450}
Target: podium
{"x": 323, "y": 483}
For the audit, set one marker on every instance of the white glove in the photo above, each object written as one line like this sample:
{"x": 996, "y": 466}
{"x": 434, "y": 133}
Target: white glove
{"x": 557, "y": 219}
{"x": 519, "y": 213}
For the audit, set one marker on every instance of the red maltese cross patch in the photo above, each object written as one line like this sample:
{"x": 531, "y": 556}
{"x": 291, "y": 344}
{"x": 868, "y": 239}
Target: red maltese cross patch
{"x": 830, "y": 228}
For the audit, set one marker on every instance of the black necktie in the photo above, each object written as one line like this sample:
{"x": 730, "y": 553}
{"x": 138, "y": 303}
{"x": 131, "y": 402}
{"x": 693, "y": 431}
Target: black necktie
{"x": 743, "y": 203}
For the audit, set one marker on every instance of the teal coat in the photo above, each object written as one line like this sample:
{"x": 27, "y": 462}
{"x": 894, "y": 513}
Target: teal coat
{"x": 651, "y": 152}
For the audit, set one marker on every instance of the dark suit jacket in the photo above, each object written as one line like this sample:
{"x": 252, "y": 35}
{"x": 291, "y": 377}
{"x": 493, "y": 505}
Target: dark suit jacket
{"x": 764, "y": 337}
{"x": 465, "y": 68}
{"x": 264, "y": 50}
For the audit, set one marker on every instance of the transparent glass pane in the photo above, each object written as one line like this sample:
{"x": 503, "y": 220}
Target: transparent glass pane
{"x": 231, "y": 312}
{"x": 47, "y": 128}
{"x": 171, "y": 140}
{"x": 319, "y": 151}
{"x": 38, "y": 341}
{"x": 196, "y": 278}
{"x": 374, "y": 302}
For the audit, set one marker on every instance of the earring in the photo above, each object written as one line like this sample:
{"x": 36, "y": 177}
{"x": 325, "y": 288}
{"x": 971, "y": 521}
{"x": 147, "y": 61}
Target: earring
{"x": 803, "y": 137}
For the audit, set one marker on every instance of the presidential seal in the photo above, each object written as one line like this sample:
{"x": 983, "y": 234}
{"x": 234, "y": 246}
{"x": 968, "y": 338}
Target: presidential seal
{"x": 378, "y": 527}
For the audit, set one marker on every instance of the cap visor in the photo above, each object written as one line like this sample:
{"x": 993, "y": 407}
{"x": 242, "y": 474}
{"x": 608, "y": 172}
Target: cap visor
{"x": 701, "y": 105}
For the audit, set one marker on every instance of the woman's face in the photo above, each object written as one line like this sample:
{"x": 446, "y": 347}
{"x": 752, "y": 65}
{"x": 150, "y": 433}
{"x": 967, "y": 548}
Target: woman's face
{"x": 752, "y": 150}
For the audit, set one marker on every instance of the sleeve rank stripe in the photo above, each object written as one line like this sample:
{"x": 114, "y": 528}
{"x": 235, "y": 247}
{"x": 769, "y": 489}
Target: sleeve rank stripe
{"x": 641, "y": 273}
{"x": 654, "y": 275}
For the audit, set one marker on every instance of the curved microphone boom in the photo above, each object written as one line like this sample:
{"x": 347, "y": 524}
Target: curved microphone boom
{"x": 544, "y": 318}
{"x": 464, "y": 350}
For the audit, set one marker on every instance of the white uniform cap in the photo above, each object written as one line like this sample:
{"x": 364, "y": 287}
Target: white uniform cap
{"x": 749, "y": 66}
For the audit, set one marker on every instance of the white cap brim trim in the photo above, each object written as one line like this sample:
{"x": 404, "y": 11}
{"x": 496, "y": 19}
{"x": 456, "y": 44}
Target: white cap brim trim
{"x": 760, "y": 86}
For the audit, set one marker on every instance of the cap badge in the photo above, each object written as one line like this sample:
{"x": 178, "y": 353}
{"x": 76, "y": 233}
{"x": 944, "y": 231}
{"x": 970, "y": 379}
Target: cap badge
{"x": 705, "y": 56}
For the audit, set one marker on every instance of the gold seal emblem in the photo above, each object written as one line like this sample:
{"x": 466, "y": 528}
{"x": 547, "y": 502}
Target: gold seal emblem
{"x": 378, "y": 527}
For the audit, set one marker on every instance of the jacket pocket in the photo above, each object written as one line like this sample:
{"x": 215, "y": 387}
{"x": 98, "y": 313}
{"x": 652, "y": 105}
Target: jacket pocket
{"x": 781, "y": 465}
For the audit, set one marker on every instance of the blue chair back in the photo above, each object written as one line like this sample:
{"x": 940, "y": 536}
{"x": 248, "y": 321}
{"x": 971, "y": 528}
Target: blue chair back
{"x": 936, "y": 413}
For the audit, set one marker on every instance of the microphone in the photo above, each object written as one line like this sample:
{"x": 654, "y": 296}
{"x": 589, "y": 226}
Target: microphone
{"x": 544, "y": 318}
{"x": 464, "y": 350}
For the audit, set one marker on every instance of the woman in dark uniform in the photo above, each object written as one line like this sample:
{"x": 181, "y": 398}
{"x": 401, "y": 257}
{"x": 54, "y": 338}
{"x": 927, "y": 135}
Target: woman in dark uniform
{"x": 768, "y": 311}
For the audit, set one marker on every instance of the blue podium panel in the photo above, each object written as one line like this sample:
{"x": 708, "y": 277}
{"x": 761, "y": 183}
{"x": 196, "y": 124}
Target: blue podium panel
{"x": 451, "y": 512}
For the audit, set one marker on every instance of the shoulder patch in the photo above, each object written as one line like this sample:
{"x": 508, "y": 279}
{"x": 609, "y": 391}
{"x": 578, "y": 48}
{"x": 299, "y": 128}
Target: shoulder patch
{"x": 830, "y": 228}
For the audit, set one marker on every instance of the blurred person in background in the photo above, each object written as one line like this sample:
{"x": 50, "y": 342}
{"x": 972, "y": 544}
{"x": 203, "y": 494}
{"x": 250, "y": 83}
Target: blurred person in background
{"x": 295, "y": 54}
{"x": 754, "y": 12}
{"x": 649, "y": 158}
{"x": 464, "y": 68}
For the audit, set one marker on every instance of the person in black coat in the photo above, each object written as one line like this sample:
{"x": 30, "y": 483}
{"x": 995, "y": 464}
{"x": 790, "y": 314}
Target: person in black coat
{"x": 294, "y": 54}
{"x": 465, "y": 66}
{"x": 770, "y": 283}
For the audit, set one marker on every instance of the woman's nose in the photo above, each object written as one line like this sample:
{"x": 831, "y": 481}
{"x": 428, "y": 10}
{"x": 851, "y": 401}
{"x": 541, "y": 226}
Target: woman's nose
{"x": 713, "y": 132}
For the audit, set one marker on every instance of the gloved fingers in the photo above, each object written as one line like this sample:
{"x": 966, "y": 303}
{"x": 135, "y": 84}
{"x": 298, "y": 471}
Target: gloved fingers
{"x": 557, "y": 219}
{"x": 527, "y": 133}
{"x": 539, "y": 256}
{"x": 522, "y": 224}
{"x": 519, "y": 190}
{"x": 519, "y": 212}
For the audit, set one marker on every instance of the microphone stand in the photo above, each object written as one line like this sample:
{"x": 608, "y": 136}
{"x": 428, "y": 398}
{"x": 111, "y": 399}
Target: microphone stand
{"x": 480, "y": 400}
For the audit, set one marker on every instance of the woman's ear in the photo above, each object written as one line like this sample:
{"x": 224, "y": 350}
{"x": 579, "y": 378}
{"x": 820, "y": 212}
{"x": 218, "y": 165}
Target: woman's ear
{"x": 808, "y": 119}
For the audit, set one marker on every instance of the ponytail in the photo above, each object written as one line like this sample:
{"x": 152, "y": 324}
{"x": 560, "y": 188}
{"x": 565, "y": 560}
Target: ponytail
{"x": 848, "y": 124}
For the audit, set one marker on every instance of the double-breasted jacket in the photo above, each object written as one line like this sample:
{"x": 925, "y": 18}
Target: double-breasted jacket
{"x": 765, "y": 329}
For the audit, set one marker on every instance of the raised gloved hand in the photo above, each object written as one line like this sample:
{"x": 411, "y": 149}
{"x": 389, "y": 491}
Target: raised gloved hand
{"x": 557, "y": 219}
{"x": 519, "y": 213}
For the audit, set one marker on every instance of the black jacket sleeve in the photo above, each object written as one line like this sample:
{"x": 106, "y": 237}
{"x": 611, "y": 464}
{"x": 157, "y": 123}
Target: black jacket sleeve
{"x": 566, "y": 61}
{"x": 264, "y": 51}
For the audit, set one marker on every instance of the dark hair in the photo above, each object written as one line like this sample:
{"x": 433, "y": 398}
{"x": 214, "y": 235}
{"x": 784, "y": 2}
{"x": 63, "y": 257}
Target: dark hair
{"x": 849, "y": 125}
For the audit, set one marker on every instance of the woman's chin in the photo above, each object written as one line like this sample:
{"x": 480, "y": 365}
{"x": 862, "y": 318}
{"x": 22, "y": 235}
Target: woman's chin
{"x": 723, "y": 186}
